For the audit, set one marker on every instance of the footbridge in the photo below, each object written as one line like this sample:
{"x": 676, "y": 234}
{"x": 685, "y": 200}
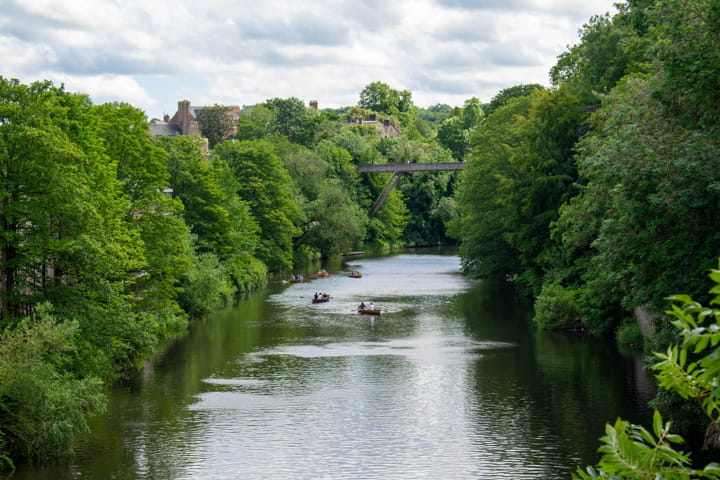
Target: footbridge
{"x": 400, "y": 169}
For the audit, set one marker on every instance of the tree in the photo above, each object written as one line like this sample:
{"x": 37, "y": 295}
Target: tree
{"x": 292, "y": 119}
{"x": 220, "y": 220}
{"x": 687, "y": 53}
{"x": 263, "y": 183}
{"x": 256, "y": 124}
{"x": 642, "y": 173}
{"x": 454, "y": 132}
{"x": 379, "y": 97}
{"x": 426, "y": 195}
{"x": 509, "y": 93}
{"x": 57, "y": 187}
{"x": 216, "y": 123}
{"x": 486, "y": 215}
{"x": 143, "y": 168}
{"x": 334, "y": 223}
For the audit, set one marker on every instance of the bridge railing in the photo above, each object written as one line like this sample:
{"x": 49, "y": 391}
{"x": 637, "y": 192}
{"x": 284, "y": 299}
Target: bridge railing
{"x": 411, "y": 167}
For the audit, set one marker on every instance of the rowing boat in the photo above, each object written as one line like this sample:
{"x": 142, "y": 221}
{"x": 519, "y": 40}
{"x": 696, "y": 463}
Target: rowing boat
{"x": 367, "y": 311}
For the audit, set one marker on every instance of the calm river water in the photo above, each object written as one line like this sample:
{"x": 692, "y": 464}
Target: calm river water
{"x": 451, "y": 383}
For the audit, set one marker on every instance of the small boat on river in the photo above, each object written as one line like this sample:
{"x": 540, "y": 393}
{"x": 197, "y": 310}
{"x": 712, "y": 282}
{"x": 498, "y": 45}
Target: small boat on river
{"x": 322, "y": 273}
{"x": 368, "y": 311}
{"x": 296, "y": 279}
{"x": 355, "y": 274}
{"x": 321, "y": 298}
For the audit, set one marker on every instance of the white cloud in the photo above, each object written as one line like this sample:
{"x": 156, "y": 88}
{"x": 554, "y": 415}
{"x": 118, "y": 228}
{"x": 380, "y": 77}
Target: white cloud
{"x": 106, "y": 88}
{"x": 152, "y": 54}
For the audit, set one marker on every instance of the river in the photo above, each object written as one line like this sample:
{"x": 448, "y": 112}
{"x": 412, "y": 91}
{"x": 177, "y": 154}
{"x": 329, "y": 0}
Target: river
{"x": 450, "y": 382}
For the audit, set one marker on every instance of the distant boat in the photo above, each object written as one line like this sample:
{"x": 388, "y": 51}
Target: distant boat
{"x": 367, "y": 311}
{"x": 321, "y": 299}
{"x": 296, "y": 279}
{"x": 322, "y": 273}
{"x": 354, "y": 274}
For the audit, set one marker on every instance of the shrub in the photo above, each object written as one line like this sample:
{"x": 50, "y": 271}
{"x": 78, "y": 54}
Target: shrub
{"x": 206, "y": 287}
{"x": 632, "y": 452}
{"x": 555, "y": 307}
{"x": 42, "y": 405}
{"x": 628, "y": 333}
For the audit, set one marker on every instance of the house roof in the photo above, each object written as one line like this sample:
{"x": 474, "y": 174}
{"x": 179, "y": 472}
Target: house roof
{"x": 164, "y": 129}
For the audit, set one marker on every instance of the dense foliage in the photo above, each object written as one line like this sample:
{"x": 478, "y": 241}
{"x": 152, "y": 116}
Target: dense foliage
{"x": 597, "y": 196}
{"x": 689, "y": 368}
{"x": 600, "y": 195}
{"x": 112, "y": 240}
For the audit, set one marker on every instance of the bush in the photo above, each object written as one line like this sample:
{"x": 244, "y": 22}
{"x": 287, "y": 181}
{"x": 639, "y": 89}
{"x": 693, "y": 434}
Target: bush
{"x": 42, "y": 405}
{"x": 632, "y": 452}
{"x": 206, "y": 287}
{"x": 556, "y": 307}
{"x": 628, "y": 333}
{"x": 247, "y": 272}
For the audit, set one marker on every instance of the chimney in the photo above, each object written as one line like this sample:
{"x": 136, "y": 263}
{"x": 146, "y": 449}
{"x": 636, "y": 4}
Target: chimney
{"x": 166, "y": 118}
{"x": 184, "y": 116}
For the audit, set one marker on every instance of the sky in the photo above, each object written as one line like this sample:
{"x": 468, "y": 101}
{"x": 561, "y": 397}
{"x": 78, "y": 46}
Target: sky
{"x": 154, "y": 53}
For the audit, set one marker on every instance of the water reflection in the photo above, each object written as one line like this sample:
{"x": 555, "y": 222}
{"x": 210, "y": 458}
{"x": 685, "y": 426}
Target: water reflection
{"x": 451, "y": 383}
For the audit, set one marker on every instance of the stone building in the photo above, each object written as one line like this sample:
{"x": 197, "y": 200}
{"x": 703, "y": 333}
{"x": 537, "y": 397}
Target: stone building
{"x": 184, "y": 122}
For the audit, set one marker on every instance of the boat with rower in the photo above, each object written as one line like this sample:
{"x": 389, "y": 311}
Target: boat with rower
{"x": 371, "y": 310}
{"x": 321, "y": 298}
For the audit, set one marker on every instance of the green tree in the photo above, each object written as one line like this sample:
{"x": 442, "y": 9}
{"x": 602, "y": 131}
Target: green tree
{"x": 221, "y": 221}
{"x": 486, "y": 213}
{"x": 216, "y": 123}
{"x": 643, "y": 172}
{"x": 67, "y": 237}
{"x": 380, "y": 97}
{"x": 454, "y": 132}
{"x": 334, "y": 223}
{"x": 426, "y": 197}
{"x": 292, "y": 119}
{"x": 263, "y": 182}
{"x": 143, "y": 168}
{"x": 687, "y": 54}
{"x": 256, "y": 124}
{"x": 509, "y": 93}
{"x": 519, "y": 173}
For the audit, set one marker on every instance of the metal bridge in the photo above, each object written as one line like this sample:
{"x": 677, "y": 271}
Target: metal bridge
{"x": 400, "y": 169}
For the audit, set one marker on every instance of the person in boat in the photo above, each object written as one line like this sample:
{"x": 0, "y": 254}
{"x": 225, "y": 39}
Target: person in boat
{"x": 316, "y": 296}
{"x": 362, "y": 305}
{"x": 372, "y": 306}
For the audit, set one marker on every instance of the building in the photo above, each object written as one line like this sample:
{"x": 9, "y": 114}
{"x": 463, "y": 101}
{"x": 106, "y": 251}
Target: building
{"x": 184, "y": 122}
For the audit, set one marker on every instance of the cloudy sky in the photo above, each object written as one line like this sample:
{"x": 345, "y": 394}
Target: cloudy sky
{"x": 152, "y": 53}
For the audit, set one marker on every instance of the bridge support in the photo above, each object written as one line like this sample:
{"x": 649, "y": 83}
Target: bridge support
{"x": 398, "y": 170}
{"x": 389, "y": 186}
